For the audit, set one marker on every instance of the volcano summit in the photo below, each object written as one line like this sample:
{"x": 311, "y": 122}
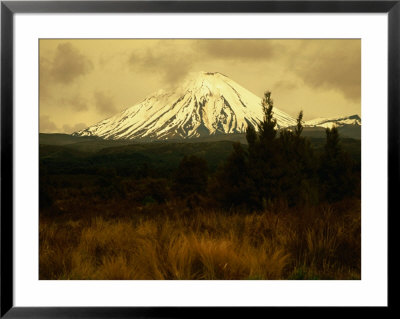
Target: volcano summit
{"x": 205, "y": 104}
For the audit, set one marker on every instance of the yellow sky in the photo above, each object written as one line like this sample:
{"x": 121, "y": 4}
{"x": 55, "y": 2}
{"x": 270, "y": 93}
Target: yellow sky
{"x": 85, "y": 81}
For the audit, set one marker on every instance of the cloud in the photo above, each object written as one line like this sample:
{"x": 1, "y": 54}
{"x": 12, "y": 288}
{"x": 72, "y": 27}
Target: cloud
{"x": 285, "y": 85}
{"x": 58, "y": 70}
{"x": 171, "y": 67}
{"x": 69, "y": 64}
{"x": 104, "y": 103}
{"x": 46, "y": 125}
{"x": 75, "y": 102}
{"x": 44, "y": 76}
{"x": 249, "y": 50}
{"x": 320, "y": 64}
{"x": 102, "y": 76}
{"x": 71, "y": 129}
{"x": 173, "y": 60}
{"x": 336, "y": 65}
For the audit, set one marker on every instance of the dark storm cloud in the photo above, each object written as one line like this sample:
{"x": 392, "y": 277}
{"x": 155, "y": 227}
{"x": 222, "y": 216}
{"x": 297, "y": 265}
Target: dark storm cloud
{"x": 69, "y": 64}
{"x": 71, "y": 129}
{"x": 47, "y": 125}
{"x": 104, "y": 103}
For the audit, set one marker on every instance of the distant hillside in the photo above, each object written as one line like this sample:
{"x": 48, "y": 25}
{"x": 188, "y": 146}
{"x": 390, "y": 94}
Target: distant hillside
{"x": 63, "y": 139}
{"x": 161, "y": 158}
{"x": 94, "y": 144}
{"x": 345, "y": 131}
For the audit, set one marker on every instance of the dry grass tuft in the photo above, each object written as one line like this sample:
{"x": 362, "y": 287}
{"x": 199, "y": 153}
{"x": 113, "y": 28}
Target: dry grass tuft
{"x": 316, "y": 243}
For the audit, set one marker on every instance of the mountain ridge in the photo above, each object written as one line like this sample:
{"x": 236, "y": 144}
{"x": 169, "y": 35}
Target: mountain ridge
{"x": 206, "y": 104}
{"x": 354, "y": 119}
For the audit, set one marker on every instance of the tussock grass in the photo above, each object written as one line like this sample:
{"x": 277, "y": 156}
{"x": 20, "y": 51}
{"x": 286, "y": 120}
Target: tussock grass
{"x": 321, "y": 242}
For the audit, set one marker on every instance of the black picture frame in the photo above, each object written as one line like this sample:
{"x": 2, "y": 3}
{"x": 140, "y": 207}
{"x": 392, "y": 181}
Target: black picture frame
{"x": 9, "y": 8}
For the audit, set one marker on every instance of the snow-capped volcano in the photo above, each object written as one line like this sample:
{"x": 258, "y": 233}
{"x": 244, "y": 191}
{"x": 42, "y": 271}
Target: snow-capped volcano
{"x": 205, "y": 104}
{"x": 338, "y": 121}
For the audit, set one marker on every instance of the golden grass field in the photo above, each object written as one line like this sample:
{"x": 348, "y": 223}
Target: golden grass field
{"x": 320, "y": 242}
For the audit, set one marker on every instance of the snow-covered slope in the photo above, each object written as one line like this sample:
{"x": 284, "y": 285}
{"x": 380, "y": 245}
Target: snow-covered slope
{"x": 329, "y": 122}
{"x": 206, "y": 104}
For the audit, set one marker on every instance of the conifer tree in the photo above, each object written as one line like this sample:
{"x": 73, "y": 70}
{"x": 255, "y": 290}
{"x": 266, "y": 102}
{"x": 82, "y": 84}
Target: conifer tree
{"x": 251, "y": 137}
{"x": 267, "y": 128}
{"x": 297, "y": 184}
{"x": 263, "y": 155}
{"x": 336, "y": 177}
{"x": 233, "y": 186}
{"x": 299, "y": 126}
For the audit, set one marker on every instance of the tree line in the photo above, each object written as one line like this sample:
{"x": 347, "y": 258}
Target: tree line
{"x": 277, "y": 167}
{"x": 274, "y": 168}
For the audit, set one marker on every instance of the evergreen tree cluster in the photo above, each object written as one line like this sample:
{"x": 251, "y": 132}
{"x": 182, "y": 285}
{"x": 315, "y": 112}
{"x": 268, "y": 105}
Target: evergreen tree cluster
{"x": 275, "y": 168}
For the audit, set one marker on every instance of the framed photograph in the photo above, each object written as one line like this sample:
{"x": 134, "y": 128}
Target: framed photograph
{"x": 188, "y": 158}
